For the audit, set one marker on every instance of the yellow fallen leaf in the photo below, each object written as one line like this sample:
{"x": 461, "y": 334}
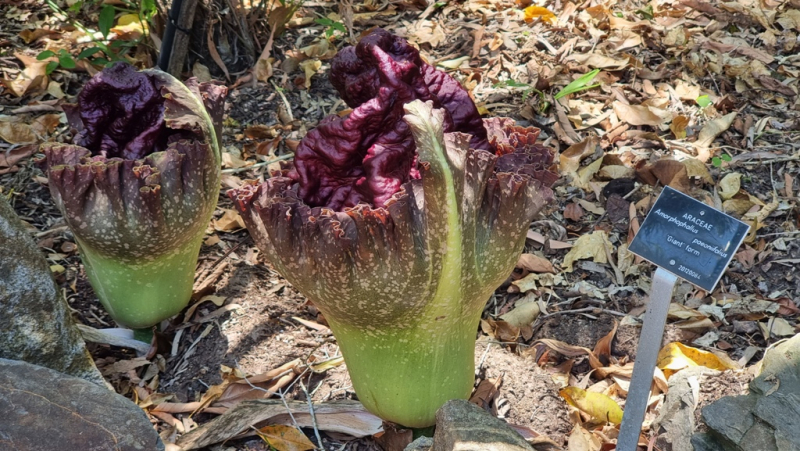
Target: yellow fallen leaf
{"x": 216, "y": 300}
{"x": 676, "y": 356}
{"x": 542, "y": 13}
{"x": 729, "y": 185}
{"x": 756, "y": 219}
{"x": 523, "y": 313}
{"x": 325, "y": 365}
{"x": 310, "y": 67}
{"x": 695, "y": 168}
{"x": 591, "y": 206}
{"x": 285, "y": 438}
{"x": 586, "y": 173}
{"x": 592, "y": 246}
{"x": 129, "y": 27}
{"x": 599, "y": 61}
{"x": 761, "y": 215}
{"x": 680, "y": 311}
{"x": 613, "y": 172}
{"x": 526, "y": 283}
{"x": 778, "y": 327}
{"x": 454, "y": 63}
{"x": 263, "y": 69}
{"x": 54, "y": 89}
{"x": 597, "y": 405}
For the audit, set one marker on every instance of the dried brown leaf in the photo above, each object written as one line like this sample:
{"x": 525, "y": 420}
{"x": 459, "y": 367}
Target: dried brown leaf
{"x": 486, "y": 392}
{"x": 678, "y": 126}
{"x": 570, "y": 159}
{"x": 535, "y": 263}
{"x": 230, "y": 220}
{"x": 573, "y": 212}
{"x": 285, "y": 438}
{"x": 710, "y": 131}
{"x": 32, "y": 78}
{"x": 603, "y": 346}
{"x": 637, "y": 114}
{"x": 17, "y": 133}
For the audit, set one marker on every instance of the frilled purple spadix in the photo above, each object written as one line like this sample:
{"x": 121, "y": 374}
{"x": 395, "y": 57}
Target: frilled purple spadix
{"x": 138, "y": 186}
{"x": 367, "y": 156}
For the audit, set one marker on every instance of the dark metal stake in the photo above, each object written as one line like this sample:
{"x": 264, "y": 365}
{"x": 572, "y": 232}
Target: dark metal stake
{"x": 175, "y": 44}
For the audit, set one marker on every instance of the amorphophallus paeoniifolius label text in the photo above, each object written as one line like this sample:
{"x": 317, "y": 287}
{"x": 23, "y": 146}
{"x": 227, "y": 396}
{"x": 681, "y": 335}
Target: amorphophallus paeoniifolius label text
{"x": 138, "y": 186}
{"x": 399, "y": 221}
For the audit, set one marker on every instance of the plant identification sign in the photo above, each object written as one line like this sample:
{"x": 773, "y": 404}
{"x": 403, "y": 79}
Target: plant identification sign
{"x": 688, "y": 238}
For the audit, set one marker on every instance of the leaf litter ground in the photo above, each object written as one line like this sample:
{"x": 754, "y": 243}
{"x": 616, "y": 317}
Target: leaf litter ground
{"x": 696, "y": 95}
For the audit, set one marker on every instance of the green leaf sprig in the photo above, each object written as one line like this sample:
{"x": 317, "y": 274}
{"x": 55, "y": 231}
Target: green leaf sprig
{"x": 579, "y": 84}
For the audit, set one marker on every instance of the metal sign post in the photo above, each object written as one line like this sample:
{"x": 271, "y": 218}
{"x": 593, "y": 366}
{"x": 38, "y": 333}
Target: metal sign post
{"x": 646, "y": 353}
{"x": 684, "y": 238}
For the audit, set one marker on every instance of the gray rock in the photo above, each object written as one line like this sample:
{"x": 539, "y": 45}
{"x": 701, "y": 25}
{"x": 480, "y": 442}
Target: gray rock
{"x": 675, "y": 421}
{"x": 44, "y": 410}
{"x": 463, "y": 426}
{"x": 420, "y": 444}
{"x": 767, "y": 418}
{"x": 37, "y": 326}
{"x": 704, "y": 441}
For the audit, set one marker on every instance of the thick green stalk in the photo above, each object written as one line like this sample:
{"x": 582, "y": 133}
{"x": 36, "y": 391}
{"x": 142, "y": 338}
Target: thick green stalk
{"x": 404, "y": 376}
{"x": 140, "y": 295}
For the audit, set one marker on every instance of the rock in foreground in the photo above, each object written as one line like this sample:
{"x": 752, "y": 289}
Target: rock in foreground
{"x": 37, "y": 327}
{"x": 765, "y": 419}
{"x": 463, "y": 426}
{"x": 44, "y": 410}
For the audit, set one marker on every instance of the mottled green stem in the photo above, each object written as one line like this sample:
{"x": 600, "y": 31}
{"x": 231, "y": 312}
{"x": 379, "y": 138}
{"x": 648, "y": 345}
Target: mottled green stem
{"x": 140, "y": 295}
{"x": 404, "y": 376}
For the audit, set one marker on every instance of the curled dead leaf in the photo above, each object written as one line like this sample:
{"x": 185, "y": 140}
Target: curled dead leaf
{"x": 666, "y": 172}
{"x": 524, "y": 312}
{"x": 709, "y": 133}
{"x": 592, "y": 245}
{"x": 640, "y": 114}
{"x": 678, "y": 126}
{"x": 33, "y": 78}
{"x": 730, "y": 185}
{"x": 570, "y": 159}
{"x": 535, "y": 263}
{"x": 230, "y": 220}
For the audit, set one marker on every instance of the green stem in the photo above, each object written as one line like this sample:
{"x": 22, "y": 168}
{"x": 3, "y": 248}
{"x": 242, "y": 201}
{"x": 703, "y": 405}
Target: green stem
{"x": 404, "y": 376}
{"x": 139, "y": 295}
{"x": 144, "y": 335}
